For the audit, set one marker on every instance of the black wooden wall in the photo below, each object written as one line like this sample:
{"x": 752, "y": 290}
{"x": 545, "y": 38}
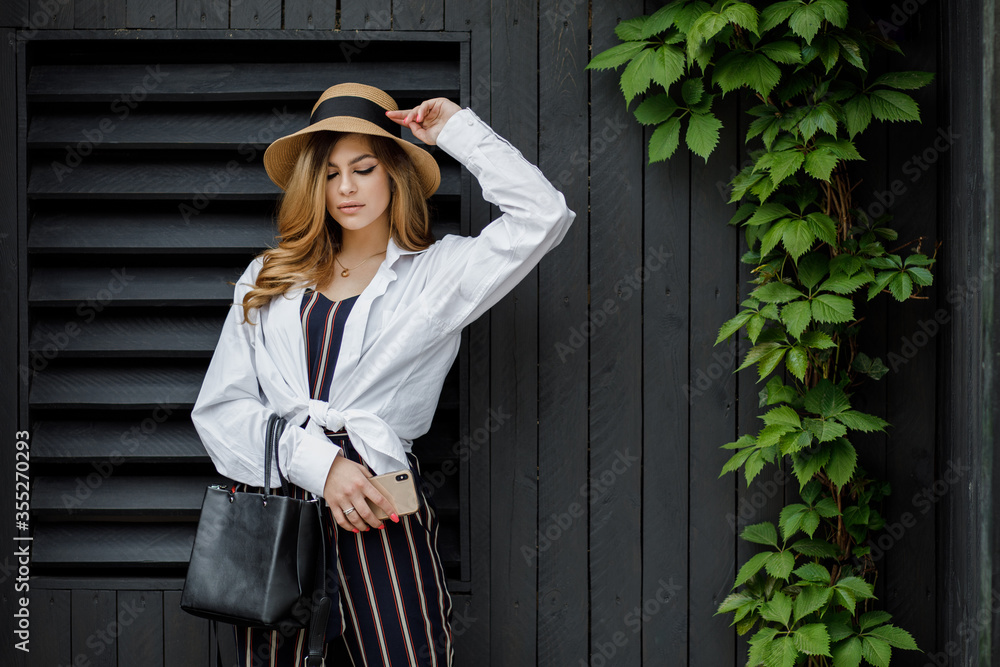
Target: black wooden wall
{"x": 587, "y": 523}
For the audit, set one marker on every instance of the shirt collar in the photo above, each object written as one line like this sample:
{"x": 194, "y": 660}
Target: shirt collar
{"x": 393, "y": 252}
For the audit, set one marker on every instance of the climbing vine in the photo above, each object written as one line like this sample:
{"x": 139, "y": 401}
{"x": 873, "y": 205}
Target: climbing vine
{"x": 815, "y": 254}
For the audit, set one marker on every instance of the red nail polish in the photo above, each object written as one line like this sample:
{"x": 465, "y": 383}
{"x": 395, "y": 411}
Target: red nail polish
{"x": 394, "y": 517}
{"x": 354, "y": 529}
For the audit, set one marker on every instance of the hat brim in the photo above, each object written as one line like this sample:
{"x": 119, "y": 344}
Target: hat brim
{"x": 281, "y": 155}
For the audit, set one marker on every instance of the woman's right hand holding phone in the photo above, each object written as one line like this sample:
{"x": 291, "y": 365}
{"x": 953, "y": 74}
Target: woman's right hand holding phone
{"x": 347, "y": 486}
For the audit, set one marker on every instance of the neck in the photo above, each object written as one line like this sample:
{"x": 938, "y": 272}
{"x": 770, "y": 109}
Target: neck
{"x": 359, "y": 244}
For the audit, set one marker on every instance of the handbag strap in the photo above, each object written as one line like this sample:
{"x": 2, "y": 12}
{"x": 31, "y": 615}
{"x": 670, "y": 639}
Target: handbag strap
{"x": 316, "y": 634}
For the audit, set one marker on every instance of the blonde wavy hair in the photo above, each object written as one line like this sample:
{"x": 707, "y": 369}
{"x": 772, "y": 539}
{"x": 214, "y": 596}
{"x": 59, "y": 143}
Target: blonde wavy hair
{"x": 308, "y": 236}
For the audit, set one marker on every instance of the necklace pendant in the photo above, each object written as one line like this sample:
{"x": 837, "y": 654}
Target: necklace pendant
{"x": 345, "y": 273}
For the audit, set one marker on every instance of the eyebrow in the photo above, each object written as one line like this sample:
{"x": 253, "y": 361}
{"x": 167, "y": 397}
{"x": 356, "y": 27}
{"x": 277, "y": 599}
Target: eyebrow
{"x": 355, "y": 160}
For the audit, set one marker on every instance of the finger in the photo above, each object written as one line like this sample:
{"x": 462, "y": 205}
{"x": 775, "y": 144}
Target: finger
{"x": 342, "y": 521}
{"x": 357, "y": 523}
{"x": 382, "y": 501}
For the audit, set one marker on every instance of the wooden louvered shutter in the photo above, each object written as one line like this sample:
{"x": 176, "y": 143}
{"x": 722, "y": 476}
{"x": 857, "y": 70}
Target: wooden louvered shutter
{"x": 146, "y": 194}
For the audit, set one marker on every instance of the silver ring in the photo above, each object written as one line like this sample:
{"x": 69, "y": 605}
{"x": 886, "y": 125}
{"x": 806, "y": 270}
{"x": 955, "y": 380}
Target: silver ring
{"x": 348, "y": 511}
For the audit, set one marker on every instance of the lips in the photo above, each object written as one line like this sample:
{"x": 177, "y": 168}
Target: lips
{"x": 350, "y": 207}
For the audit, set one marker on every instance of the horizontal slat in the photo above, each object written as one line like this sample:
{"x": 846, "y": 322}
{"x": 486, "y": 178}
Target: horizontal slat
{"x": 141, "y": 387}
{"x": 106, "y": 498}
{"x": 93, "y": 289}
{"x": 124, "y": 336}
{"x": 238, "y": 81}
{"x": 134, "y": 441}
{"x": 93, "y": 544}
{"x": 58, "y": 583}
{"x": 196, "y": 183}
{"x": 246, "y": 131}
{"x": 164, "y": 230}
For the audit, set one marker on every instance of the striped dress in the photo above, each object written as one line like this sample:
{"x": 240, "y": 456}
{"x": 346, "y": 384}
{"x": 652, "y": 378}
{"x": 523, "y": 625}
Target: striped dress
{"x": 393, "y": 608}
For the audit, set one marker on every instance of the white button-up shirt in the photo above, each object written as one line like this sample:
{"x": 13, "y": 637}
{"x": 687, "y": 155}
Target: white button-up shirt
{"x": 399, "y": 341}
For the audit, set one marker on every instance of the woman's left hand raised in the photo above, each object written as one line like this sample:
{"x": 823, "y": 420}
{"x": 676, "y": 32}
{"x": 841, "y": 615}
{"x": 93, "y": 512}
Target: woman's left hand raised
{"x": 427, "y": 118}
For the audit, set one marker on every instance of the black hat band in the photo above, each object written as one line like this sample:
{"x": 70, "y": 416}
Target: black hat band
{"x": 359, "y": 107}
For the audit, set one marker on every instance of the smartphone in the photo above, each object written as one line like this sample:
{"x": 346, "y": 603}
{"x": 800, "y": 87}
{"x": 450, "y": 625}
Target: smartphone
{"x": 400, "y": 488}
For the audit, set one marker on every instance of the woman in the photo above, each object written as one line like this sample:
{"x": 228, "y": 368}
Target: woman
{"x": 347, "y": 329}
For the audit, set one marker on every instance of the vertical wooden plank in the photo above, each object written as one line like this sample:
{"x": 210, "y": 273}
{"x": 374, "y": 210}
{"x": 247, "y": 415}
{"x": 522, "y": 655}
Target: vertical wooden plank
{"x": 310, "y": 15}
{"x": 151, "y": 14}
{"x": 185, "y": 637}
{"x": 366, "y": 15}
{"x": 418, "y": 15}
{"x": 140, "y": 619}
{"x": 93, "y": 637}
{"x": 99, "y": 14}
{"x": 616, "y": 262}
{"x": 562, "y": 347}
{"x": 15, "y": 14}
{"x": 474, "y": 616}
{"x": 10, "y": 252}
{"x": 915, "y": 149}
{"x": 513, "y": 360}
{"x": 202, "y": 13}
{"x": 255, "y": 14}
{"x": 50, "y": 616}
{"x": 712, "y": 543}
{"x": 666, "y": 395}
{"x": 49, "y": 15}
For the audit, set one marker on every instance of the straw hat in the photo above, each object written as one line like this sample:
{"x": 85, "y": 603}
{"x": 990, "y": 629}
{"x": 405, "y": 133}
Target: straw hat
{"x": 349, "y": 107}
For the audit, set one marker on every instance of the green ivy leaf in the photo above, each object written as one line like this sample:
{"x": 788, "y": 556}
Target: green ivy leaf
{"x": 860, "y": 421}
{"x": 832, "y": 309}
{"x": 857, "y": 114}
{"x": 813, "y": 572}
{"x": 667, "y": 65}
{"x": 655, "y": 109}
{"x": 772, "y": 15}
{"x": 797, "y": 362}
{"x": 820, "y": 162}
{"x": 834, "y": 11}
{"x": 752, "y": 567}
{"x": 811, "y": 268}
{"x": 843, "y": 461}
{"x": 851, "y": 51}
{"x": 703, "y": 134}
{"x": 783, "y": 51}
{"x": 873, "y": 368}
{"x": 796, "y": 317}
{"x": 778, "y": 609}
{"x": 893, "y": 106}
{"x": 664, "y": 140}
{"x": 894, "y": 636}
{"x": 876, "y": 651}
{"x": 817, "y": 340}
{"x": 780, "y": 564}
{"x": 920, "y": 275}
{"x": 692, "y": 90}
{"x": 631, "y": 29}
{"x": 824, "y": 430}
{"x": 733, "y": 325}
{"x": 776, "y": 292}
{"x": 901, "y": 286}
{"x": 826, "y": 399}
{"x": 782, "y": 414}
{"x": 798, "y": 238}
{"x": 689, "y": 14}
{"x": 842, "y": 284}
{"x": 768, "y": 213}
{"x": 847, "y": 653}
{"x": 823, "y": 226}
{"x": 661, "y": 20}
{"x": 805, "y": 21}
{"x": 873, "y": 618}
{"x": 743, "y": 15}
{"x": 813, "y": 639}
{"x": 904, "y": 80}
{"x": 617, "y": 55}
{"x": 638, "y": 74}
{"x": 761, "y": 533}
{"x": 736, "y": 460}
{"x": 815, "y": 548}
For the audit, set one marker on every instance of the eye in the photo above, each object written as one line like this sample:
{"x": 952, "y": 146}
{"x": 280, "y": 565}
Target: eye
{"x": 364, "y": 172}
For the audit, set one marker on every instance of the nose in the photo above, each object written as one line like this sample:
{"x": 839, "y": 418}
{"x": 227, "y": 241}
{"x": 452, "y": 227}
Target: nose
{"x": 347, "y": 184}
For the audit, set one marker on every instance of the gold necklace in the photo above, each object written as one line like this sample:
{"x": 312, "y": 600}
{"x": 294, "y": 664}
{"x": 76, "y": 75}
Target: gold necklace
{"x": 346, "y": 271}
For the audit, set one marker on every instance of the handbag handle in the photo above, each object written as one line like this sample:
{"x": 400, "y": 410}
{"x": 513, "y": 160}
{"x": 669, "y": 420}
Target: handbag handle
{"x": 275, "y": 427}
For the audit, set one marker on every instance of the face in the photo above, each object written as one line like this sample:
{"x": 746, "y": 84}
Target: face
{"x": 355, "y": 176}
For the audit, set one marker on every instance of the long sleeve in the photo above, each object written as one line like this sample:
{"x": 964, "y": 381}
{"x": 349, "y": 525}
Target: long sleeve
{"x": 230, "y": 415}
{"x": 471, "y": 274}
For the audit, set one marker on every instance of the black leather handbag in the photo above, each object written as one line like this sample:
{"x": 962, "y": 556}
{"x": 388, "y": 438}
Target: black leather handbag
{"x": 259, "y": 559}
